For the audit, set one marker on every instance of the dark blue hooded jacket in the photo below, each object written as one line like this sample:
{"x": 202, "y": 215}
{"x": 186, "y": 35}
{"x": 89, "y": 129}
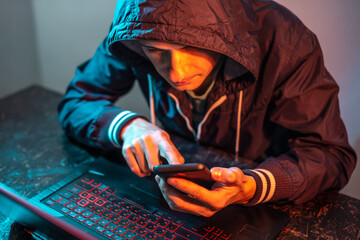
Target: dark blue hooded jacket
{"x": 273, "y": 98}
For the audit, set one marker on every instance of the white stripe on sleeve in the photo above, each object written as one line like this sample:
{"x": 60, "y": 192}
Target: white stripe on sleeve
{"x": 272, "y": 183}
{"x": 115, "y": 131}
{"x": 112, "y": 125}
{"x": 264, "y": 183}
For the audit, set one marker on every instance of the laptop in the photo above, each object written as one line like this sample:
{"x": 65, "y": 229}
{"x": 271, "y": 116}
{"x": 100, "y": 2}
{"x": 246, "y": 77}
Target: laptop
{"x": 108, "y": 201}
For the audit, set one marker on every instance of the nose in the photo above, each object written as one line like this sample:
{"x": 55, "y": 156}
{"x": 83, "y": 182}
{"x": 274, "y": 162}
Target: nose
{"x": 179, "y": 65}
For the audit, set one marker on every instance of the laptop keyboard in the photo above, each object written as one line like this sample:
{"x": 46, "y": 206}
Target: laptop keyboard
{"x": 95, "y": 206}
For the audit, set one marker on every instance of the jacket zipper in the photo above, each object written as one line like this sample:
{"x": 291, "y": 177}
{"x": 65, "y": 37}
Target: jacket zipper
{"x": 215, "y": 105}
{"x": 183, "y": 115}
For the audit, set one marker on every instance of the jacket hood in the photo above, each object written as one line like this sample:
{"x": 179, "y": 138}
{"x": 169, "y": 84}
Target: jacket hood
{"x": 224, "y": 26}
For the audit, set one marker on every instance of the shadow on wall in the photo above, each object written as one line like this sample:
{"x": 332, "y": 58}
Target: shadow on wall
{"x": 352, "y": 188}
{"x": 357, "y": 169}
{"x": 357, "y": 147}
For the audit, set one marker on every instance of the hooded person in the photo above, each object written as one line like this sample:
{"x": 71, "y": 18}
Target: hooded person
{"x": 243, "y": 76}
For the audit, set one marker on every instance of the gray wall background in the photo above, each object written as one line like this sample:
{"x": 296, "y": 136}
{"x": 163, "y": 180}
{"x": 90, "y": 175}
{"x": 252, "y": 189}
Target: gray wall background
{"x": 42, "y": 41}
{"x": 19, "y": 62}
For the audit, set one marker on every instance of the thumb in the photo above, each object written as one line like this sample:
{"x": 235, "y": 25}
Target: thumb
{"x": 228, "y": 176}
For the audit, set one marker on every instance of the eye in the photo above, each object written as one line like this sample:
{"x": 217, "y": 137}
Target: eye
{"x": 153, "y": 50}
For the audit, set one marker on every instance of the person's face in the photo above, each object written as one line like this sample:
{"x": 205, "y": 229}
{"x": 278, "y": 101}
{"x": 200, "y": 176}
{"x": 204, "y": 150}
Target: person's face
{"x": 183, "y": 67}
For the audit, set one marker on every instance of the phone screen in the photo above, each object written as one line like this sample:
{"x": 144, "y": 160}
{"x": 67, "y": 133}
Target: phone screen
{"x": 196, "y": 172}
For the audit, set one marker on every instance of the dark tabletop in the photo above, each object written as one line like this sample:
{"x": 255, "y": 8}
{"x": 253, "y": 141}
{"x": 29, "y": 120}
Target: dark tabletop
{"x": 35, "y": 154}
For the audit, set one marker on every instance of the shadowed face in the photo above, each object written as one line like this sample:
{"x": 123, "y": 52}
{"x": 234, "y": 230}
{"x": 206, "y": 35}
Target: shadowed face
{"x": 183, "y": 67}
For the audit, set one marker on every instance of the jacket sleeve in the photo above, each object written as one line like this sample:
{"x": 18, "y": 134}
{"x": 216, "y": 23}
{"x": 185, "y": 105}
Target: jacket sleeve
{"x": 319, "y": 156}
{"x": 87, "y": 112}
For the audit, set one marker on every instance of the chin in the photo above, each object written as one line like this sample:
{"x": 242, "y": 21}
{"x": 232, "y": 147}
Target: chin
{"x": 186, "y": 88}
{"x": 181, "y": 88}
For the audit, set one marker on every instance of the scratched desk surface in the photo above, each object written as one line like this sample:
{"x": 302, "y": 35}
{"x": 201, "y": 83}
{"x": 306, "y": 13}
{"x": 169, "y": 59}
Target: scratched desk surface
{"x": 35, "y": 154}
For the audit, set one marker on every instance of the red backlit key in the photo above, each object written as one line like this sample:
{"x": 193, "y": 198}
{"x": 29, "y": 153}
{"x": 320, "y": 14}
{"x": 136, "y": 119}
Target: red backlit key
{"x": 74, "y": 189}
{"x": 50, "y": 202}
{"x": 84, "y": 194}
{"x": 120, "y": 231}
{"x": 83, "y": 203}
{"x": 89, "y": 223}
{"x": 103, "y": 222}
{"x": 111, "y": 226}
{"x": 72, "y": 214}
{"x": 95, "y": 218}
{"x": 65, "y": 210}
{"x": 56, "y": 198}
{"x": 66, "y": 194}
{"x": 79, "y": 209}
{"x": 86, "y": 214}
{"x": 64, "y": 201}
{"x": 92, "y": 198}
{"x": 100, "y": 202}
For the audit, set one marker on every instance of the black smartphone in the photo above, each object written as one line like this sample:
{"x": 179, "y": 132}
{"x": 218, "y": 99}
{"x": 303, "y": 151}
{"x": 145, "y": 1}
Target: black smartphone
{"x": 196, "y": 172}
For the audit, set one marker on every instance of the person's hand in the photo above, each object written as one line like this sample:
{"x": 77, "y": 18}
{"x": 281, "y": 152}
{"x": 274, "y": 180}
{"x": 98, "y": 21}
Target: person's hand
{"x": 231, "y": 187}
{"x": 143, "y": 143}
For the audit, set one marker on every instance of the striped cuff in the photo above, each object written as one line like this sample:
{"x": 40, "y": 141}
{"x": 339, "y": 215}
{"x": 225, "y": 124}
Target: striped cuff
{"x": 117, "y": 124}
{"x": 265, "y": 185}
{"x": 268, "y": 183}
{"x": 273, "y": 182}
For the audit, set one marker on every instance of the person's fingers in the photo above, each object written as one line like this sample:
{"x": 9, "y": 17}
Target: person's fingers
{"x": 140, "y": 158}
{"x": 193, "y": 190}
{"x": 131, "y": 161}
{"x": 169, "y": 151}
{"x": 228, "y": 176}
{"x": 151, "y": 151}
{"x": 182, "y": 203}
{"x": 233, "y": 178}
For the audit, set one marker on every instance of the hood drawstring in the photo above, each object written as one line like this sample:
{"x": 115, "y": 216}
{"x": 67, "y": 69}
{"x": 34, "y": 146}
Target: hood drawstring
{"x": 151, "y": 101}
{"x": 238, "y": 124}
